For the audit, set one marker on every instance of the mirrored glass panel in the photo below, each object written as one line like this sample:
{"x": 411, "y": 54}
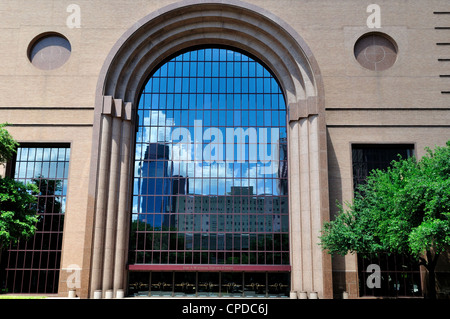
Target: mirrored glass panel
{"x": 210, "y": 170}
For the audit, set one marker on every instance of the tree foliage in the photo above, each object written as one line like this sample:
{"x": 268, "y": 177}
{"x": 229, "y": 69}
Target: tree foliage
{"x": 404, "y": 209}
{"x": 17, "y": 211}
{"x": 17, "y": 200}
{"x": 7, "y": 144}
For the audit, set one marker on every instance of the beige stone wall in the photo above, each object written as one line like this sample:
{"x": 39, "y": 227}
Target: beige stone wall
{"x": 401, "y": 104}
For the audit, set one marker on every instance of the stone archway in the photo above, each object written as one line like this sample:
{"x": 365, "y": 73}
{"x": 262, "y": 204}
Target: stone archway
{"x": 140, "y": 50}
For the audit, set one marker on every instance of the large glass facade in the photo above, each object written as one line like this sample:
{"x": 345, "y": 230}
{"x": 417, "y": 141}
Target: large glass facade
{"x": 210, "y": 176}
{"x": 32, "y": 266}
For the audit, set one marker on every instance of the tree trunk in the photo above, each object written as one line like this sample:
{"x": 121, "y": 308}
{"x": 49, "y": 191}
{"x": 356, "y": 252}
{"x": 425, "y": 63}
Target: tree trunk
{"x": 431, "y": 284}
{"x": 431, "y": 266}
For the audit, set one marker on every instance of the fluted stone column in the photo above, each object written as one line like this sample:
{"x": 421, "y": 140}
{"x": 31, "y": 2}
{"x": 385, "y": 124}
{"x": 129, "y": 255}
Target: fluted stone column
{"x": 294, "y": 208}
{"x": 305, "y": 200}
{"x": 109, "y": 247}
{"x": 305, "y": 203}
{"x": 123, "y": 213}
{"x": 102, "y": 195}
{"x": 111, "y": 211}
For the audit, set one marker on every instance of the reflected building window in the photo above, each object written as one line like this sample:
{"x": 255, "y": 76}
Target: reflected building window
{"x": 33, "y": 265}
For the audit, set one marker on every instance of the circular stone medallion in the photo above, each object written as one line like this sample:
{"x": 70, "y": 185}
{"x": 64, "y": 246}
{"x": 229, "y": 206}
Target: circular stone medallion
{"x": 375, "y": 51}
{"x": 49, "y": 51}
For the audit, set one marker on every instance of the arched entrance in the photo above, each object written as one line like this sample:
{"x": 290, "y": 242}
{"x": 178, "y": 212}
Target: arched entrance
{"x": 140, "y": 50}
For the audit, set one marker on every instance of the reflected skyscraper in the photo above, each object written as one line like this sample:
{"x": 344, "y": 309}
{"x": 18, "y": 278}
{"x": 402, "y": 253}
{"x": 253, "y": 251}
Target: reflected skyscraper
{"x": 180, "y": 185}
{"x": 282, "y": 167}
{"x": 156, "y": 186}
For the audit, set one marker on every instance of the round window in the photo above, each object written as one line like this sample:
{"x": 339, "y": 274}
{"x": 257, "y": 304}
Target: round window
{"x": 375, "y": 51}
{"x": 49, "y": 51}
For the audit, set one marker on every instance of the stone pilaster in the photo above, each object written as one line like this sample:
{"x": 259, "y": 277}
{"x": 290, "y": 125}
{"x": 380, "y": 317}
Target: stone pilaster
{"x": 109, "y": 247}
{"x": 305, "y": 193}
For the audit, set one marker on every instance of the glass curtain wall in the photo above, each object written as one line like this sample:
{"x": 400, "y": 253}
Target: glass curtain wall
{"x": 210, "y": 169}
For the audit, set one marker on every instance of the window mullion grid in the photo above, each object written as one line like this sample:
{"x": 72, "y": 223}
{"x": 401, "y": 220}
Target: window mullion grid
{"x": 237, "y": 213}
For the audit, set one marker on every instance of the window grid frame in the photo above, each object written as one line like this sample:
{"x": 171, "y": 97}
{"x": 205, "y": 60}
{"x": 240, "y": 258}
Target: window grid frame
{"x": 140, "y": 251}
{"x": 33, "y": 265}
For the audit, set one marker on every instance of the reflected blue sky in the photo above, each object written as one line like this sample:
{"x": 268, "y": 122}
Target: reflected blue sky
{"x": 51, "y": 163}
{"x": 221, "y": 117}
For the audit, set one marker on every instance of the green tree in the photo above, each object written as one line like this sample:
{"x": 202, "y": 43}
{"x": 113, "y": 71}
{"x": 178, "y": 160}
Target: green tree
{"x": 7, "y": 144}
{"x": 404, "y": 209}
{"x": 17, "y": 211}
{"x": 17, "y": 201}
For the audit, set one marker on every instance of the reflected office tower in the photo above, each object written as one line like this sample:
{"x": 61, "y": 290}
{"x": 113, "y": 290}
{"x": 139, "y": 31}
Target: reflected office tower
{"x": 180, "y": 184}
{"x": 156, "y": 186}
{"x": 282, "y": 167}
